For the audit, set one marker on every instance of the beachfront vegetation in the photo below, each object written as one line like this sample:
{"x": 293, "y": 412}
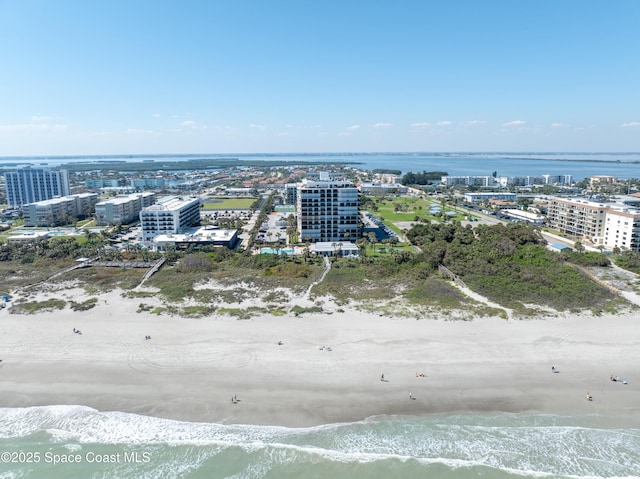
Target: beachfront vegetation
{"x": 628, "y": 260}
{"x": 106, "y": 278}
{"x": 84, "y": 305}
{"x": 509, "y": 265}
{"x": 506, "y": 263}
{"x": 383, "y": 279}
{"x": 244, "y": 274}
{"x": 32, "y": 307}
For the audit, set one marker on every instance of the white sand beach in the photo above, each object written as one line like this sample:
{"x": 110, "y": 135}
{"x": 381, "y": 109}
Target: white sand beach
{"x": 191, "y": 368}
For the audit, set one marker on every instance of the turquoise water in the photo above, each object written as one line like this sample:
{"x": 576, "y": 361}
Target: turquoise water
{"x": 273, "y": 251}
{"x": 120, "y": 445}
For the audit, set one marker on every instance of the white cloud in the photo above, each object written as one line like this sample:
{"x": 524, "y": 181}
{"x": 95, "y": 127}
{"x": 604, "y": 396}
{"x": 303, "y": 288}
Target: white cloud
{"x": 155, "y": 115}
{"x": 284, "y": 133}
{"x": 474, "y": 122}
{"x": 422, "y": 124}
{"x": 345, "y": 133}
{"x": 559, "y": 125}
{"x": 443, "y": 123}
{"x": 382, "y": 125}
{"x": 353, "y": 127}
{"x": 257, "y": 126}
{"x": 514, "y": 124}
{"x": 632, "y": 124}
{"x": 193, "y": 125}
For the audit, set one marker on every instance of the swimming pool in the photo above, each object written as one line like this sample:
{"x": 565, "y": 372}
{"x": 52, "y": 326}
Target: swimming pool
{"x": 273, "y": 251}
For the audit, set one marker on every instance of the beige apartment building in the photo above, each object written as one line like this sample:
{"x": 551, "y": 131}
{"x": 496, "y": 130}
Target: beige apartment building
{"x": 578, "y": 217}
{"x": 606, "y": 224}
{"x": 123, "y": 209}
{"x": 59, "y": 211}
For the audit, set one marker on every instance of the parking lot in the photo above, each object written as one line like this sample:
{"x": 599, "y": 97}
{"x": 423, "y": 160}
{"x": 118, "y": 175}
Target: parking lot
{"x": 274, "y": 229}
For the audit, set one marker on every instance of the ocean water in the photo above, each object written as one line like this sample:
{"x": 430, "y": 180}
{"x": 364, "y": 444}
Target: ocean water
{"x": 580, "y": 165}
{"x": 79, "y": 442}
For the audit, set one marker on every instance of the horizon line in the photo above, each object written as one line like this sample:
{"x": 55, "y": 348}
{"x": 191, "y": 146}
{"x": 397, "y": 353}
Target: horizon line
{"x": 328, "y": 153}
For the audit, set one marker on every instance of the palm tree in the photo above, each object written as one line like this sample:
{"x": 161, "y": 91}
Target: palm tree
{"x": 371, "y": 236}
{"x": 362, "y": 247}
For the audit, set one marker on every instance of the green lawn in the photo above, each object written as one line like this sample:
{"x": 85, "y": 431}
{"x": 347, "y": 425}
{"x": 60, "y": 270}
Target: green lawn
{"x": 412, "y": 207}
{"x": 228, "y": 203}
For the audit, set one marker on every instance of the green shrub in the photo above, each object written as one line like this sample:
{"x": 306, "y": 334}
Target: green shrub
{"x": 38, "y": 306}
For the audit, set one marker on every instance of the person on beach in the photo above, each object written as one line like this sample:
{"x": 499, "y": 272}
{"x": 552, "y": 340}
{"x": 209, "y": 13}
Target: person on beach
{"x": 588, "y": 397}
{"x": 382, "y": 377}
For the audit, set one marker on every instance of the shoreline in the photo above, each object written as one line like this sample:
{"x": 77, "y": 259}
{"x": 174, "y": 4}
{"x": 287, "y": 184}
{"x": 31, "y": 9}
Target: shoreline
{"x": 190, "y": 368}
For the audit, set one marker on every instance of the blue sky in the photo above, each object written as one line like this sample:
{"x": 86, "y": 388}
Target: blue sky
{"x": 137, "y": 76}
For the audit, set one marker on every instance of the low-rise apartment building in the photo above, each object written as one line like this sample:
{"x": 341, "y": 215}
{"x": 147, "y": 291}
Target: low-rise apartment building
{"x": 381, "y": 189}
{"x": 59, "y": 211}
{"x": 479, "y": 198}
{"x": 123, "y": 209}
{"x": 608, "y": 224}
{"x": 578, "y": 217}
{"x": 170, "y": 215}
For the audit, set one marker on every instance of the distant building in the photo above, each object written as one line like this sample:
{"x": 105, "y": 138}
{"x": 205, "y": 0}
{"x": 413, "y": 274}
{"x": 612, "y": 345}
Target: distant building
{"x": 323, "y": 176}
{"x": 558, "y": 180}
{"x": 59, "y": 211}
{"x": 387, "y": 178}
{"x": 142, "y": 183}
{"x": 170, "y": 215}
{"x": 28, "y": 237}
{"x": 479, "y": 198}
{"x": 30, "y": 185}
{"x": 103, "y": 183}
{"x": 482, "y": 181}
{"x": 123, "y": 209}
{"x": 375, "y": 188}
{"x": 627, "y": 200}
{"x": 524, "y": 216}
{"x": 328, "y": 211}
{"x": 291, "y": 194}
{"x": 504, "y": 181}
{"x": 240, "y": 191}
{"x": 602, "y": 180}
